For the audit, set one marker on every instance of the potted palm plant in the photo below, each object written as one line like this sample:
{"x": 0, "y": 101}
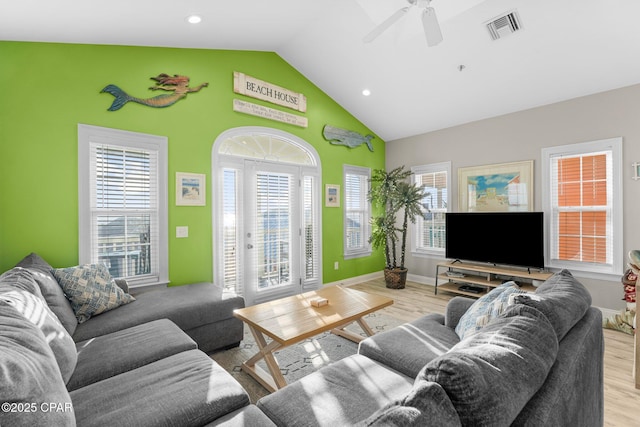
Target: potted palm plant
{"x": 390, "y": 192}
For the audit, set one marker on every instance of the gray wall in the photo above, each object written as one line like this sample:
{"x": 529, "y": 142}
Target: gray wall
{"x": 521, "y": 136}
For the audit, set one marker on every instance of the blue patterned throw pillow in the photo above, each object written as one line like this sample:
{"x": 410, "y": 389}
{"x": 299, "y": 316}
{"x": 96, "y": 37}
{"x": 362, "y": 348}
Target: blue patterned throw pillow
{"x": 486, "y": 308}
{"x": 91, "y": 290}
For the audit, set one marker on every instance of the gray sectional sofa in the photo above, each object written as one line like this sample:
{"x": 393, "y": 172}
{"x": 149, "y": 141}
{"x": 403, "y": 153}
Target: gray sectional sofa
{"x": 539, "y": 362}
{"x": 140, "y": 364}
{"x": 509, "y": 359}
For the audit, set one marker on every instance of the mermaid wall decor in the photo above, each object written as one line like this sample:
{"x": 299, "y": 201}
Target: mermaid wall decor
{"x": 179, "y": 85}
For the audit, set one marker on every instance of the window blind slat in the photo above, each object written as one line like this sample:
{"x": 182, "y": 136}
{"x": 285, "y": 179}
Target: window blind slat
{"x": 356, "y": 215}
{"x": 582, "y": 205}
{"x": 431, "y": 227}
{"x": 311, "y": 238}
{"x": 124, "y": 206}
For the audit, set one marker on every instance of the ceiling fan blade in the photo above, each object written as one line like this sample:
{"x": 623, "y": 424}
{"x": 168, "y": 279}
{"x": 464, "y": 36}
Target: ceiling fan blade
{"x": 431, "y": 27}
{"x": 384, "y": 26}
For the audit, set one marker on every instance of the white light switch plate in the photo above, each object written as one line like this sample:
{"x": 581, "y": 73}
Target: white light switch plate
{"x": 182, "y": 232}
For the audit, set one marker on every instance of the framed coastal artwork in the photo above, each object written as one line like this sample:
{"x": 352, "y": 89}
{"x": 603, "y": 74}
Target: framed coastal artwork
{"x": 190, "y": 189}
{"x": 332, "y": 196}
{"x": 503, "y": 187}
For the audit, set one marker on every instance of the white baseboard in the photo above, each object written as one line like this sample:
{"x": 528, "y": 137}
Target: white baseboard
{"x": 423, "y": 280}
{"x": 357, "y": 279}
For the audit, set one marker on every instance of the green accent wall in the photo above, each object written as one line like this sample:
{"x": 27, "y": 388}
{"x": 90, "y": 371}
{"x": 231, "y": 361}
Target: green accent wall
{"x": 47, "y": 89}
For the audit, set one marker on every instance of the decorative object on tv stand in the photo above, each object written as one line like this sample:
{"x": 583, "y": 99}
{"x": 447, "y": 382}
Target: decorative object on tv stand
{"x": 190, "y": 189}
{"x": 500, "y": 187}
{"x": 179, "y": 85}
{"x": 348, "y": 138}
{"x": 391, "y": 192}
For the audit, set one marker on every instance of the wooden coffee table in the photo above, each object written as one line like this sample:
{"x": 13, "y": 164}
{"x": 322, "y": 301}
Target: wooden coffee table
{"x": 292, "y": 319}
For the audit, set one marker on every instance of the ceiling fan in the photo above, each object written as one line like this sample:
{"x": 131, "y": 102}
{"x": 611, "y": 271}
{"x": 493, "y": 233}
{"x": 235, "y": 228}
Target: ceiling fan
{"x": 429, "y": 22}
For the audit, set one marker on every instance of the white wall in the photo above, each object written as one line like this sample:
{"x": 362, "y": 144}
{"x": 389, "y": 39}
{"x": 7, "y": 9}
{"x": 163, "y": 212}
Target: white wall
{"x": 521, "y": 136}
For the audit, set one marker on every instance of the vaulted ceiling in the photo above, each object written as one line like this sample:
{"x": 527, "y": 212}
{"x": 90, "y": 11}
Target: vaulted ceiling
{"x": 564, "y": 48}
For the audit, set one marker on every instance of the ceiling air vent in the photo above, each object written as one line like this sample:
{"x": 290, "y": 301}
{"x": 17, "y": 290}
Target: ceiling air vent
{"x": 504, "y": 25}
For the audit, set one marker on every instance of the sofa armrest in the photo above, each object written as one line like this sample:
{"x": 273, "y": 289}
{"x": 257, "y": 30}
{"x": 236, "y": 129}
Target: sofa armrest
{"x": 456, "y": 307}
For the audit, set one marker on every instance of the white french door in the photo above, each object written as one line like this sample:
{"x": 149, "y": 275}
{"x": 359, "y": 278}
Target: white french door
{"x": 271, "y": 224}
{"x": 266, "y": 214}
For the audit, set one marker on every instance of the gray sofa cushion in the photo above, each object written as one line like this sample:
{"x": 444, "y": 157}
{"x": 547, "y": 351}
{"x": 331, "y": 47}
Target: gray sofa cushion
{"x": 426, "y": 405}
{"x": 122, "y": 284}
{"x": 219, "y": 335}
{"x": 341, "y": 394}
{"x": 249, "y": 416}
{"x": 51, "y": 290}
{"x": 19, "y": 289}
{"x": 573, "y": 393}
{"x": 409, "y": 347}
{"x": 491, "y": 375}
{"x": 112, "y": 354}
{"x": 188, "y": 306}
{"x": 29, "y": 375}
{"x": 562, "y": 298}
{"x": 187, "y": 388}
{"x": 456, "y": 308}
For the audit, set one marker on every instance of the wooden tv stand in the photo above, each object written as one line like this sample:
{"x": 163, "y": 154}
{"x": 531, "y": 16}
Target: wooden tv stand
{"x": 486, "y": 277}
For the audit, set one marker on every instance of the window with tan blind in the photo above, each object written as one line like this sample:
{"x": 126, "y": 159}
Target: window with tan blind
{"x": 430, "y": 229}
{"x": 122, "y": 197}
{"x": 584, "y": 206}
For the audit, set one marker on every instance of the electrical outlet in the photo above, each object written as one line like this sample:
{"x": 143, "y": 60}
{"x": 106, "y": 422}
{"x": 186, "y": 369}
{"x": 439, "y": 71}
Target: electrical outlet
{"x": 182, "y": 232}
{"x": 336, "y": 265}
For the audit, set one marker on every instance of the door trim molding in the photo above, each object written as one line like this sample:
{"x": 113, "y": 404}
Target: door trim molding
{"x": 221, "y": 161}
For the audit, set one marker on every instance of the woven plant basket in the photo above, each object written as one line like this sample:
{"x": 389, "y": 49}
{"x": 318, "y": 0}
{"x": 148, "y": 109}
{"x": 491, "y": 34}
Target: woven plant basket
{"x": 395, "y": 278}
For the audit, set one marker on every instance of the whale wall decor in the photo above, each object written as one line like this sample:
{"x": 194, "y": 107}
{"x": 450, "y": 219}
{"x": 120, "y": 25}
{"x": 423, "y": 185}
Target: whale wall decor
{"x": 349, "y": 138}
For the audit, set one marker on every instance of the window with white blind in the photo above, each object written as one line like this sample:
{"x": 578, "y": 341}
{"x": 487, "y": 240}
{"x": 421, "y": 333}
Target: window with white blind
{"x": 357, "y": 211}
{"x": 123, "y": 204}
{"x": 583, "y": 201}
{"x": 429, "y": 231}
{"x": 231, "y": 273}
{"x": 310, "y": 224}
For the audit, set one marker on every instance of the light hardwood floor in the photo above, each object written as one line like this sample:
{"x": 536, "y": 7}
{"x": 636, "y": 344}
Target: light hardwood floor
{"x": 621, "y": 398}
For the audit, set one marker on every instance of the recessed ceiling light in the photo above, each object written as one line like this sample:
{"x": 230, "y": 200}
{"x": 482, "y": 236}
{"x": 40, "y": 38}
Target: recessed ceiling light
{"x": 366, "y": 92}
{"x": 194, "y": 19}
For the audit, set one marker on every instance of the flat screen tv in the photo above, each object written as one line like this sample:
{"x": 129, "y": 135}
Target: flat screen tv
{"x": 507, "y": 238}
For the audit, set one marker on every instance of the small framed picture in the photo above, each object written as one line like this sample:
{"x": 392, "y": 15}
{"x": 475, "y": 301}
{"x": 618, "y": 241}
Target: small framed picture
{"x": 190, "y": 189}
{"x": 332, "y": 196}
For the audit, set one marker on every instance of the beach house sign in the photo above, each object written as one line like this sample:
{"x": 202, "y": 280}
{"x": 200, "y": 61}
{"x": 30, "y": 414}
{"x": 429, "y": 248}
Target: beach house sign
{"x": 258, "y": 89}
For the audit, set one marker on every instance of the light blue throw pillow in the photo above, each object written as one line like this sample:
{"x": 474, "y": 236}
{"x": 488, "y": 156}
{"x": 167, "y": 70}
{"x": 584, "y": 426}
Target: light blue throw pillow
{"x": 486, "y": 308}
{"x": 91, "y": 290}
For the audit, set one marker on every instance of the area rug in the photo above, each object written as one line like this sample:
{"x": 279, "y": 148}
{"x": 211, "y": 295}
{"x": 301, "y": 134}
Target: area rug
{"x": 298, "y": 360}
